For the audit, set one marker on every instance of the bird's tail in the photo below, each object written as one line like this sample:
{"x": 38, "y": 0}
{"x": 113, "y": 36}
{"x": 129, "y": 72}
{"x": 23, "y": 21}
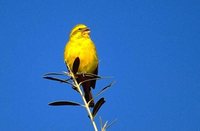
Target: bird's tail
{"x": 88, "y": 96}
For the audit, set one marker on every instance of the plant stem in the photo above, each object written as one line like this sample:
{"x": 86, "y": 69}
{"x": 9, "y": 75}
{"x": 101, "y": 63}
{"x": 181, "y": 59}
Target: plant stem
{"x": 84, "y": 100}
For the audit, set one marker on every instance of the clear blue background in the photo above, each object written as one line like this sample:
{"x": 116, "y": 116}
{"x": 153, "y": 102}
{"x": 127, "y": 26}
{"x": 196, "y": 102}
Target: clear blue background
{"x": 150, "y": 48}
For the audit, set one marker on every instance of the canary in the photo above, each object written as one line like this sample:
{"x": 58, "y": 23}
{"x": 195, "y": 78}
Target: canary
{"x": 81, "y": 57}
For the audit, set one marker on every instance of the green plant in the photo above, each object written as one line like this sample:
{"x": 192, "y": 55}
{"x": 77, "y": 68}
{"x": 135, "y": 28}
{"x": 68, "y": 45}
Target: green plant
{"x": 71, "y": 80}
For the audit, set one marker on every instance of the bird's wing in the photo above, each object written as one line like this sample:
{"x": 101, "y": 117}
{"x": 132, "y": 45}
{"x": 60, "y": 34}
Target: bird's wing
{"x": 76, "y": 65}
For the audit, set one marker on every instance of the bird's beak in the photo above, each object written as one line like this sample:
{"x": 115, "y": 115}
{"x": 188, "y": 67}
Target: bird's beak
{"x": 86, "y": 30}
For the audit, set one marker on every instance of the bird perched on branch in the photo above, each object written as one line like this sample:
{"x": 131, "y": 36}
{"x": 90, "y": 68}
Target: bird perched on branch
{"x": 81, "y": 57}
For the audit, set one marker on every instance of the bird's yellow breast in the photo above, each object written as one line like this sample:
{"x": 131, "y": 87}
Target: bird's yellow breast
{"x": 86, "y": 51}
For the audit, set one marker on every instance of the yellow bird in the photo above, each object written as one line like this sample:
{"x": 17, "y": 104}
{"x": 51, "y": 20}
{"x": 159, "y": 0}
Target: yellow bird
{"x": 81, "y": 57}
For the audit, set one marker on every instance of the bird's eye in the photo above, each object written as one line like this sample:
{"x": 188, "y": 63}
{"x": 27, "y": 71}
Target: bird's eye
{"x": 79, "y": 28}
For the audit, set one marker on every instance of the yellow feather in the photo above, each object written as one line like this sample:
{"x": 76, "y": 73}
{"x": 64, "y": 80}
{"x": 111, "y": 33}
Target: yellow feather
{"x": 80, "y": 45}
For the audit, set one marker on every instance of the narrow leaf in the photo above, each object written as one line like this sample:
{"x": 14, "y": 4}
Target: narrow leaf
{"x": 64, "y": 103}
{"x": 91, "y": 75}
{"x": 53, "y": 73}
{"x": 98, "y": 106}
{"x": 106, "y": 87}
{"x": 56, "y": 79}
{"x": 111, "y": 123}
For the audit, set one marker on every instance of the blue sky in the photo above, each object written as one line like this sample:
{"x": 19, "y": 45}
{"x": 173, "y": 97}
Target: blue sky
{"x": 150, "y": 48}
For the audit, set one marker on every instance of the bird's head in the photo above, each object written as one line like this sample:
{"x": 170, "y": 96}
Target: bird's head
{"x": 80, "y": 31}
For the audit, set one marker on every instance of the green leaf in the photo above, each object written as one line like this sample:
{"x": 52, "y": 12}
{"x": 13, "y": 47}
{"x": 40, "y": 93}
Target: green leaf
{"x": 97, "y": 106}
{"x": 56, "y": 79}
{"x": 103, "y": 89}
{"x": 53, "y": 73}
{"x": 64, "y": 103}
